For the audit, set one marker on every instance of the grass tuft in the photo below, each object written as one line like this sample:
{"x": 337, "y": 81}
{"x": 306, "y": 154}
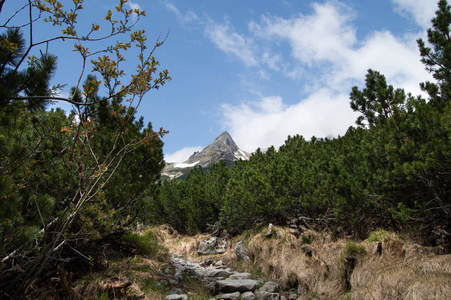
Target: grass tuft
{"x": 147, "y": 244}
{"x": 353, "y": 249}
{"x": 381, "y": 235}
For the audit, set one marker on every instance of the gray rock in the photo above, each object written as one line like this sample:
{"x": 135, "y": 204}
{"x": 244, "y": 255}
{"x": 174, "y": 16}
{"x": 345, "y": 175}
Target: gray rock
{"x": 229, "y": 296}
{"x": 241, "y": 252}
{"x": 207, "y": 246}
{"x": 174, "y": 291}
{"x": 221, "y": 247}
{"x": 212, "y": 272}
{"x": 242, "y": 286}
{"x": 267, "y": 295}
{"x": 177, "y": 297}
{"x": 207, "y": 262}
{"x": 270, "y": 231}
{"x": 219, "y": 263}
{"x": 270, "y": 286}
{"x": 292, "y": 296}
{"x": 240, "y": 276}
{"x": 248, "y": 296}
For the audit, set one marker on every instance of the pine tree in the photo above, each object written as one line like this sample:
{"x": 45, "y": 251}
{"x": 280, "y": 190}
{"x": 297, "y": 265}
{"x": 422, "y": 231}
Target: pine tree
{"x": 438, "y": 58}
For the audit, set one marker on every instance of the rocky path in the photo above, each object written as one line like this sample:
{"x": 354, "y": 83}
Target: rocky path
{"x": 221, "y": 281}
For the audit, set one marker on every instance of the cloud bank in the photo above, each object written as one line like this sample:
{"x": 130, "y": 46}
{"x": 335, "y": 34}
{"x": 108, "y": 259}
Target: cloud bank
{"x": 324, "y": 41}
{"x": 320, "y": 52}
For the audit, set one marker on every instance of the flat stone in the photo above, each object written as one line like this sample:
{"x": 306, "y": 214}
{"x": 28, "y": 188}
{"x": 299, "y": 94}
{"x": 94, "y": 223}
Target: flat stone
{"x": 242, "y": 286}
{"x": 240, "y": 276}
{"x": 177, "y": 297}
{"x": 174, "y": 291}
{"x": 228, "y": 296}
{"x": 248, "y": 296}
{"x": 270, "y": 286}
{"x": 267, "y": 295}
{"x": 212, "y": 272}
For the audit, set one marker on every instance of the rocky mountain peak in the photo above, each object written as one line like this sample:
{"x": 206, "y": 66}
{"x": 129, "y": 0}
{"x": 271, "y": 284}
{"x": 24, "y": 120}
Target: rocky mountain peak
{"x": 222, "y": 148}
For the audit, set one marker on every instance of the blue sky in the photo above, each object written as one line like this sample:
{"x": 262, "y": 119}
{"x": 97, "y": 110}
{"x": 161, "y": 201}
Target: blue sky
{"x": 266, "y": 69}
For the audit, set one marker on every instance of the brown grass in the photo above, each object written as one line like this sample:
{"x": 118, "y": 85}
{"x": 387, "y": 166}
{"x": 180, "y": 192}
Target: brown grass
{"x": 392, "y": 276}
{"x": 314, "y": 263}
{"x": 284, "y": 259}
{"x": 142, "y": 272}
{"x": 403, "y": 271}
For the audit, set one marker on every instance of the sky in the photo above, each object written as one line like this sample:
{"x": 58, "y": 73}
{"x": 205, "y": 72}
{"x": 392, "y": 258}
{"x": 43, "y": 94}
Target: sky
{"x": 263, "y": 70}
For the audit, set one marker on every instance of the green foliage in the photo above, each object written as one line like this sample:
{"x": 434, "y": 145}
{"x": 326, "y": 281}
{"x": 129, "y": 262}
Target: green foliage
{"x": 191, "y": 204}
{"x": 67, "y": 181}
{"x": 380, "y": 235}
{"x": 438, "y": 58}
{"x": 353, "y": 249}
{"x": 147, "y": 244}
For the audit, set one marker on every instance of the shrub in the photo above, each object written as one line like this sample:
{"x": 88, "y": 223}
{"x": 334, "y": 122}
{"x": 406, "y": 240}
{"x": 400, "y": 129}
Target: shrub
{"x": 147, "y": 244}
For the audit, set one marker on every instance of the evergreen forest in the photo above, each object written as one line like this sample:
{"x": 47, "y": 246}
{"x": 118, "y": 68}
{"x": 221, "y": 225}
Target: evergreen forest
{"x": 71, "y": 182}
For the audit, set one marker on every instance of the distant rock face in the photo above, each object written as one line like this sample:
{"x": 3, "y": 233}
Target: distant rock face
{"x": 223, "y": 148}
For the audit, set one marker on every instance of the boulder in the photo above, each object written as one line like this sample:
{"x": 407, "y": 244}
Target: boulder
{"x": 229, "y": 296}
{"x": 221, "y": 247}
{"x": 242, "y": 286}
{"x": 270, "y": 286}
{"x": 207, "y": 246}
{"x": 270, "y": 231}
{"x": 212, "y": 246}
{"x": 241, "y": 252}
{"x": 267, "y": 295}
{"x": 248, "y": 296}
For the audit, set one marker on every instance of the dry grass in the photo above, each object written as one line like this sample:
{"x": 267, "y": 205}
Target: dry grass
{"x": 403, "y": 271}
{"x": 291, "y": 262}
{"x": 142, "y": 272}
{"x": 394, "y": 276}
{"x": 314, "y": 263}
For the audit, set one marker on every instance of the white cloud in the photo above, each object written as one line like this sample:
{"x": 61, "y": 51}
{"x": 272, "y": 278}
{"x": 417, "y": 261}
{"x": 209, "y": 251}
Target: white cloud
{"x": 187, "y": 17}
{"x": 421, "y": 10}
{"x": 326, "y": 35}
{"x": 182, "y": 154}
{"x": 328, "y": 60}
{"x": 269, "y": 121}
{"x": 226, "y": 39}
{"x": 398, "y": 59}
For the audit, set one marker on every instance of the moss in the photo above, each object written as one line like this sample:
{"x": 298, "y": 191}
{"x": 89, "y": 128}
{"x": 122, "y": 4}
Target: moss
{"x": 353, "y": 249}
{"x": 378, "y": 235}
